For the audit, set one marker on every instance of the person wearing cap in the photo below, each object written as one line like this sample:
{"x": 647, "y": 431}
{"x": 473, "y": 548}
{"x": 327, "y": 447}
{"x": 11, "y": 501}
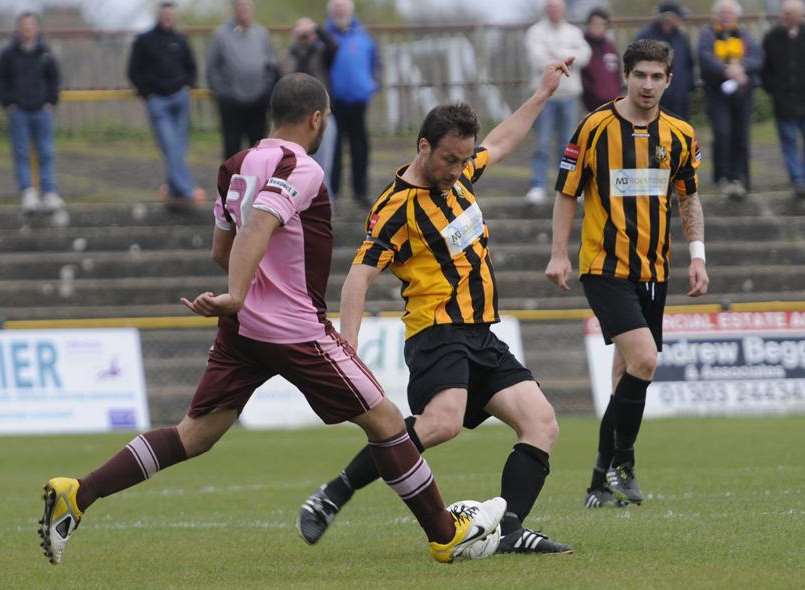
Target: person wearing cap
{"x": 668, "y": 26}
{"x": 730, "y": 61}
{"x": 783, "y": 77}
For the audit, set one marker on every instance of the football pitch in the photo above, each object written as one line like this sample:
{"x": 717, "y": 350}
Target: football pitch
{"x": 725, "y": 508}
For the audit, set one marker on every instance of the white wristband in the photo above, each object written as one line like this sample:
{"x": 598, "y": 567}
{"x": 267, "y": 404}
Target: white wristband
{"x": 696, "y": 248}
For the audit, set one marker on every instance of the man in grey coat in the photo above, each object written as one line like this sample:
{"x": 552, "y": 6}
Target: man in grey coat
{"x": 241, "y": 72}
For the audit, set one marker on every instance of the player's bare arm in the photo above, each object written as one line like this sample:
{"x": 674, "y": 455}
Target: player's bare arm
{"x": 692, "y": 216}
{"x": 222, "y": 241}
{"x": 504, "y": 138}
{"x": 353, "y": 300}
{"x": 248, "y": 248}
{"x": 559, "y": 266}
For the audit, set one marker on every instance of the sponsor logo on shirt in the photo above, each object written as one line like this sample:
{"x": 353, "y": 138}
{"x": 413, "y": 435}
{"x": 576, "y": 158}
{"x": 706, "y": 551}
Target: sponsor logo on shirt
{"x": 283, "y": 185}
{"x": 373, "y": 221}
{"x": 642, "y": 182}
{"x": 464, "y": 230}
{"x": 570, "y": 157}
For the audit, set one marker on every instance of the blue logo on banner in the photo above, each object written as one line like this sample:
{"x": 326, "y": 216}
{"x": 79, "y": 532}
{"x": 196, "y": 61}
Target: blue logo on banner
{"x": 122, "y": 419}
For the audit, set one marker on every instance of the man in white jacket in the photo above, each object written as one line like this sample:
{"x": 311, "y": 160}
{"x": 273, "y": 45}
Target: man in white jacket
{"x": 550, "y": 39}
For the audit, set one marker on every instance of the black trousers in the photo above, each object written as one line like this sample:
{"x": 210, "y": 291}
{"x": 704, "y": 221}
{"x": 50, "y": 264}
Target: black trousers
{"x": 351, "y": 120}
{"x": 730, "y": 116}
{"x": 242, "y": 119}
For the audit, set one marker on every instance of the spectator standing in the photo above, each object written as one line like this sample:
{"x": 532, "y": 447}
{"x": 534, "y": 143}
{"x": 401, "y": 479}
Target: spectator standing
{"x": 353, "y": 82}
{"x": 162, "y": 69}
{"x": 669, "y": 27}
{"x": 730, "y": 61}
{"x": 601, "y": 78}
{"x": 311, "y": 52}
{"x": 553, "y": 39}
{"x": 241, "y": 73}
{"x": 29, "y": 90}
{"x": 784, "y": 79}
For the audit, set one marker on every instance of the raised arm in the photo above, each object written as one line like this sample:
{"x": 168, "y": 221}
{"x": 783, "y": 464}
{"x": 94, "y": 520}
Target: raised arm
{"x": 692, "y": 216}
{"x": 504, "y": 138}
{"x": 559, "y": 266}
{"x": 353, "y": 300}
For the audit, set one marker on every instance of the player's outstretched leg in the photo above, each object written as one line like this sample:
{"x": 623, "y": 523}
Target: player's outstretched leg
{"x": 67, "y": 499}
{"x": 322, "y": 506}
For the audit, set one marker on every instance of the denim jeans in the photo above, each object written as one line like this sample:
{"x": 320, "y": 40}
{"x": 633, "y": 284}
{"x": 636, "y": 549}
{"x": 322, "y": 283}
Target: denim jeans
{"x": 788, "y": 131}
{"x": 170, "y": 120}
{"x": 556, "y": 123}
{"x": 25, "y": 126}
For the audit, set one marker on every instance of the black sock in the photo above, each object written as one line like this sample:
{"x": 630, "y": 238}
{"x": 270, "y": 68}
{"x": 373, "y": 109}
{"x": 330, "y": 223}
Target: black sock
{"x": 629, "y": 401}
{"x": 522, "y": 480}
{"x": 362, "y": 471}
{"x": 606, "y": 447}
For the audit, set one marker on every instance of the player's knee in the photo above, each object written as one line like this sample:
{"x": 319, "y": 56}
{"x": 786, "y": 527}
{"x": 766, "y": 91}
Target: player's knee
{"x": 446, "y": 428}
{"x": 542, "y": 429}
{"x": 643, "y": 364}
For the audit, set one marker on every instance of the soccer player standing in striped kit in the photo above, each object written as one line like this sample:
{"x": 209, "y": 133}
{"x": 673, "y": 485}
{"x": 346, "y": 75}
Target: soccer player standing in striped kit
{"x": 626, "y": 157}
{"x": 274, "y": 238}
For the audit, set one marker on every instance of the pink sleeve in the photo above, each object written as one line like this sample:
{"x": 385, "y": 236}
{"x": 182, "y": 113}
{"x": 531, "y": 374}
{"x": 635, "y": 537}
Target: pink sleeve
{"x": 221, "y": 222}
{"x": 286, "y": 195}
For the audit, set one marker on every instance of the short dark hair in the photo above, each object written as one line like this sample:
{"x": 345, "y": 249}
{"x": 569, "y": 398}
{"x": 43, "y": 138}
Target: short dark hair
{"x": 456, "y": 118}
{"x": 28, "y": 14}
{"x": 647, "y": 50}
{"x": 600, "y": 13}
{"x": 297, "y": 96}
{"x": 167, "y": 4}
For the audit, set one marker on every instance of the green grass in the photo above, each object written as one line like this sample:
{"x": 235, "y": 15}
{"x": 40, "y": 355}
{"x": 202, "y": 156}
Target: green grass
{"x": 725, "y": 508}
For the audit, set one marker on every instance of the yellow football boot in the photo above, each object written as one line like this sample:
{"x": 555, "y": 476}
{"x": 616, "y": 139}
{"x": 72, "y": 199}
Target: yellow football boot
{"x": 474, "y": 521}
{"x": 61, "y": 516}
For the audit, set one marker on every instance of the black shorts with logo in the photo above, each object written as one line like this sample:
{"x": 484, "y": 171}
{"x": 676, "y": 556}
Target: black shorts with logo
{"x": 622, "y": 305}
{"x": 467, "y": 356}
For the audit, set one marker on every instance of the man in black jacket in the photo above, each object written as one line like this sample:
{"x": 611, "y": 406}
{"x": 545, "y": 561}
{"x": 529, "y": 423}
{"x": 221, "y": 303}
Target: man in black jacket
{"x": 162, "y": 69}
{"x": 783, "y": 77}
{"x": 29, "y": 89}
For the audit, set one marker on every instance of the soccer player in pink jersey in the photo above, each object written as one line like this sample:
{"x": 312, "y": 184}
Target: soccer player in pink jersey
{"x": 274, "y": 238}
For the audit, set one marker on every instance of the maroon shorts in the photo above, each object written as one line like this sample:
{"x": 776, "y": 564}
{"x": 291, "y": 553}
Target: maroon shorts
{"x": 336, "y": 383}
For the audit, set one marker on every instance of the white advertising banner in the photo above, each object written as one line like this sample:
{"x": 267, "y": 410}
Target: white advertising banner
{"x": 720, "y": 364}
{"x": 54, "y": 381}
{"x": 278, "y": 404}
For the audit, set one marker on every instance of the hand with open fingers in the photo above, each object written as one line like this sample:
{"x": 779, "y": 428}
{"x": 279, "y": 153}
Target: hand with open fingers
{"x": 208, "y": 305}
{"x": 697, "y": 278}
{"x": 553, "y": 74}
{"x": 558, "y": 271}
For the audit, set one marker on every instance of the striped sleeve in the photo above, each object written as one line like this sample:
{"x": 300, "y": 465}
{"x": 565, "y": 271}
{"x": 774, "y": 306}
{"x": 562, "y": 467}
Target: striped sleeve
{"x": 477, "y": 164}
{"x": 573, "y": 169}
{"x": 686, "y": 180}
{"x": 386, "y": 238}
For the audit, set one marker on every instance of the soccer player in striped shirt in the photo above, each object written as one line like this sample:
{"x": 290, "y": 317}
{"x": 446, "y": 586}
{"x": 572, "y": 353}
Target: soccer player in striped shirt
{"x": 626, "y": 157}
{"x": 273, "y": 236}
{"x": 427, "y": 228}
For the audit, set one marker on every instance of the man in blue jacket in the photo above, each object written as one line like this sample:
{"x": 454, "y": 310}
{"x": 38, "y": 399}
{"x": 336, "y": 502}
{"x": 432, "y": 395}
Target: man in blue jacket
{"x": 353, "y": 81}
{"x": 29, "y": 89}
{"x": 668, "y": 27}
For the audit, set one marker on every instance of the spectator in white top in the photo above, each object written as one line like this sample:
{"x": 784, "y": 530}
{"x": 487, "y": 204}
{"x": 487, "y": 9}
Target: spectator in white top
{"x": 553, "y": 39}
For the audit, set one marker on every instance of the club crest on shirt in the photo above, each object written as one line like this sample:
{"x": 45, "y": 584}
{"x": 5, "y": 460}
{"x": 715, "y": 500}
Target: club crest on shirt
{"x": 660, "y": 154}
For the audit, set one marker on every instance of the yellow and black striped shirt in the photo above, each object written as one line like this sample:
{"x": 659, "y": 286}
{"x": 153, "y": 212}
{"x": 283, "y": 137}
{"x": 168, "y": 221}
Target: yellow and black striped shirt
{"x": 436, "y": 244}
{"x": 626, "y": 173}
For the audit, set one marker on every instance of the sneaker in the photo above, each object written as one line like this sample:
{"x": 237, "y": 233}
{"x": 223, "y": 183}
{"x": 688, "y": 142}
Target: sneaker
{"x": 199, "y": 196}
{"x": 623, "y": 484}
{"x": 315, "y": 516}
{"x": 735, "y": 190}
{"x": 600, "y": 498}
{"x": 51, "y": 201}
{"x": 61, "y": 516}
{"x": 30, "y": 200}
{"x": 526, "y": 540}
{"x": 474, "y": 521}
{"x": 536, "y": 195}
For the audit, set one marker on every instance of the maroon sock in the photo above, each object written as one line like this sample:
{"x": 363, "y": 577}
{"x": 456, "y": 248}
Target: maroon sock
{"x": 137, "y": 461}
{"x": 406, "y": 471}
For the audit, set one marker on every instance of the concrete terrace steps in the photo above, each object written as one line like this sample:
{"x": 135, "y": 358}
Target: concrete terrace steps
{"x": 348, "y": 234}
{"x": 767, "y": 204}
{"x": 196, "y": 262}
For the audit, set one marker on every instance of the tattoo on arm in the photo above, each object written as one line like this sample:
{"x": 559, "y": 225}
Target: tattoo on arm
{"x": 690, "y": 211}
